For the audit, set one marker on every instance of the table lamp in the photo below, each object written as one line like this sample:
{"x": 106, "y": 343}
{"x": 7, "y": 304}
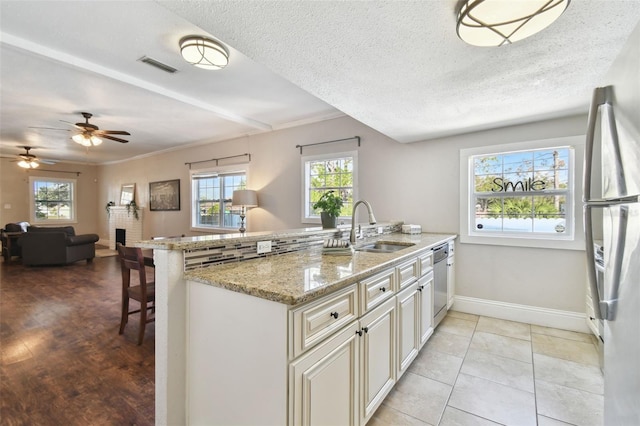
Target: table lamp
{"x": 243, "y": 199}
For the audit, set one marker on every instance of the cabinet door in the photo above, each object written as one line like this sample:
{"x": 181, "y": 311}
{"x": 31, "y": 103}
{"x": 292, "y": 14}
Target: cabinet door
{"x": 451, "y": 281}
{"x": 377, "y": 357}
{"x": 425, "y": 288}
{"x": 408, "y": 325}
{"x": 324, "y": 383}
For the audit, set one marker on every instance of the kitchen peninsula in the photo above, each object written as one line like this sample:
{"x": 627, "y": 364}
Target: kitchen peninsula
{"x": 240, "y": 337}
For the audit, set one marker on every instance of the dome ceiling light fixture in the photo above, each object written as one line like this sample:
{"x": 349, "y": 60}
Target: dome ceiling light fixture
{"x": 204, "y": 53}
{"x": 500, "y": 22}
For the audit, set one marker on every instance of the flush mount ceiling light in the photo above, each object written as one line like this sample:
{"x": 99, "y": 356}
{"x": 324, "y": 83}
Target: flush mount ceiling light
{"x": 204, "y": 53}
{"x": 500, "y": 22}
{"x": 86, "y": 139}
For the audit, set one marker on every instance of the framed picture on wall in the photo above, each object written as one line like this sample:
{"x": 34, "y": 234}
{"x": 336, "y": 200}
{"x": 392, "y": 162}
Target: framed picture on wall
{"x": 164, "y": 195}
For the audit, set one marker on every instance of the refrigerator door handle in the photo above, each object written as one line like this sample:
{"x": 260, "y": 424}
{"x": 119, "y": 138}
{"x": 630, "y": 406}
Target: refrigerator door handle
{"x": 602, "y": 96}
{"x": 592, "y": 273}
{"x": 613, "y": 262}
{"x": 598, "y": 100}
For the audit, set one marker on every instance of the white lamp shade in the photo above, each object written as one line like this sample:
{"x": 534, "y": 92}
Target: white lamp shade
{"x": 500, "y": 22}
{"x": 244, "y": 197}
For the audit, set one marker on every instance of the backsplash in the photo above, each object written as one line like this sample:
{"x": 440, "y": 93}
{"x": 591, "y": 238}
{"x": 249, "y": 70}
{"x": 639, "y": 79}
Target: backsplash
{"x": 238, "y": 252}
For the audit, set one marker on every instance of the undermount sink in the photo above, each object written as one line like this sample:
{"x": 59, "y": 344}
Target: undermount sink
{"x": 383, "y": 247}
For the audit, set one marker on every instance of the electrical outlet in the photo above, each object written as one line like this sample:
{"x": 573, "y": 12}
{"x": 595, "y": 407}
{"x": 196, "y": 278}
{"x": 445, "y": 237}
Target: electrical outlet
{"x": 380, "y": 230}
{"x": 264, "y": 247}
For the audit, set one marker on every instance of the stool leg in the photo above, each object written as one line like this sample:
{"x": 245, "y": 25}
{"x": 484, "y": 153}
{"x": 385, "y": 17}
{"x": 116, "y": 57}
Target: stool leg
{"x": 125, "y": 313}
{"x": 143, "y": 320}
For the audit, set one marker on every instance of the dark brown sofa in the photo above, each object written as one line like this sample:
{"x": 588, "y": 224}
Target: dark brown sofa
{"x": 56, "y": 246}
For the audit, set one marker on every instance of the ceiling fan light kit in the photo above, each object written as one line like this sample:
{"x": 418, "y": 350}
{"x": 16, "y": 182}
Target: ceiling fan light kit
{"x": 492, "y": 23}
{"x": 86, "y": 139}
{"x": 28, "y": 164}
{"x": 204, "y": 53}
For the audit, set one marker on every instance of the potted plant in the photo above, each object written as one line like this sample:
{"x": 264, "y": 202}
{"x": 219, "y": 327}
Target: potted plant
{"x": 329, "y": 205}
{"x": 132, "y": 207}
{"x": 108, "y": 207}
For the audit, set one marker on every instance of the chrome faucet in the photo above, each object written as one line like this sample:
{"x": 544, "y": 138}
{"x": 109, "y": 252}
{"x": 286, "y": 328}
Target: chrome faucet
{"x": 372, "y": 219}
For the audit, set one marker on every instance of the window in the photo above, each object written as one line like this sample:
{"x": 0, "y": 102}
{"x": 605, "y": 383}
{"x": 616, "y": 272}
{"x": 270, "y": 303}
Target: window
{"x": 333, "y": 172}
{"x": 515, "y": 195}
{"x": 211, "y": 199}
{"x": 52, "y": 200}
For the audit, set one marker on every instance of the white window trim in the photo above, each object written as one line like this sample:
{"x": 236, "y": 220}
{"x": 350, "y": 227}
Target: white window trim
{"x": 237, "y": 168}
{"x": 305, "y": 218}
{"x": 32, "y": 201}
{"x": 575, "y": 241}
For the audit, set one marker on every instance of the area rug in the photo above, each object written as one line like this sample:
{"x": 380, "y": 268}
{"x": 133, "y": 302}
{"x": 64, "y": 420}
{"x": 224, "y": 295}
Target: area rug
{"x": 106, "y": 252}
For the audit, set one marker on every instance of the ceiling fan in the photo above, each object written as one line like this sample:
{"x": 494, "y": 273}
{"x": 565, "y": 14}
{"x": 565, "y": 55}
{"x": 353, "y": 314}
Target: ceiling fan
{"x": 30, "y": 161}
{"x": 90, "y": 134}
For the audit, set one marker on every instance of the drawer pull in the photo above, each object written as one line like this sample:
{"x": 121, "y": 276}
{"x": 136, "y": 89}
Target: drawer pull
{"x": 420, "y": 288}
{"x": 365, "y": 329}
{"x": 359, "y": 332}
{"x": 383, "y": 289}
{"x": 334, "y": 314}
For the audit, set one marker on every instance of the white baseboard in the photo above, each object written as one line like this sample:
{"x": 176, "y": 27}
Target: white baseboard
{"x": 565, "y": 320}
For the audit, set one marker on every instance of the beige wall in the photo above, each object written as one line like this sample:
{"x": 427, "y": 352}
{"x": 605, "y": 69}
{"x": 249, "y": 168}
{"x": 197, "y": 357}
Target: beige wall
{"x": 417, "y": 183}
{"x": 14, "y": 190}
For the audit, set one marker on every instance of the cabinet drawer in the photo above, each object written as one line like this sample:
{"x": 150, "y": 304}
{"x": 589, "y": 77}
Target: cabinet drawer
{"x": 408, "y": 272}
{"x": 317, "y": 320}
{"x": 376, "y": 289}
{"x": 426, "y": 262}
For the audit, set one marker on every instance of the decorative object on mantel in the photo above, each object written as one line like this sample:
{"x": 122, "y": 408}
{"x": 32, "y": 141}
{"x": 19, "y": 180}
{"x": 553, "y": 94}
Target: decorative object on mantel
{"x": 164, "y": 195}
{"x": 132, "y": 207}
{"x": 321, "y": 143}
{"x": 218, "y": 159}
{"x": 108, "y": 207}
{"x": 244, "y": 199}
{"x": 329, "y": 205}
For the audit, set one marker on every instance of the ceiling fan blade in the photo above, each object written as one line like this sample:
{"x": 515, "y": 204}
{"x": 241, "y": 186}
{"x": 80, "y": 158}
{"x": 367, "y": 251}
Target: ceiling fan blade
{"x": 113, "y": 138}
{"x": 112, "y": 132}
{"x": 73, "y": 125}
{"x": 48, "y": 128}
{"x": 46, "y": 161}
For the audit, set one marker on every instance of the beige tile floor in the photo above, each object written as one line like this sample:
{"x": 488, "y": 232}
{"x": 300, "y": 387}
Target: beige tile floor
{"x": 486, "y": 371}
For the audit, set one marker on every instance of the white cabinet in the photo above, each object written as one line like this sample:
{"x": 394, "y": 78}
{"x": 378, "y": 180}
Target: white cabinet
{"x": 377, "y": 357}
{"x": 409, "y": 304}
{"x": 324, "y": 383}
{"x": 425, "y": 288}
{"x": 451, "y": 276}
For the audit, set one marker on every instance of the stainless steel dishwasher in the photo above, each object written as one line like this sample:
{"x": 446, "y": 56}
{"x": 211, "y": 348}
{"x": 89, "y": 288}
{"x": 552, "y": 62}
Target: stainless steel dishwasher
{"x": 440, "y": 255}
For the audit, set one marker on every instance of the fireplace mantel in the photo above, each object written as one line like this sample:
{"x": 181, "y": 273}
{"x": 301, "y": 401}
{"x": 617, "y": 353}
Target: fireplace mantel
{"x": 120, "y": 218}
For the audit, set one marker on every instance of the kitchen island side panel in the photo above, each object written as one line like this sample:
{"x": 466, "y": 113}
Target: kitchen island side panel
{"x": 237, "y": 358}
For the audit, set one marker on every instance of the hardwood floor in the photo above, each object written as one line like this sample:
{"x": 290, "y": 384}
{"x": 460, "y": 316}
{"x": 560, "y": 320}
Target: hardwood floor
{"x": 62, "y": 359}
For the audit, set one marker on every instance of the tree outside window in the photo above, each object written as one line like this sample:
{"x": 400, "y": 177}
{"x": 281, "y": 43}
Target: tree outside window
{"x": 53, "y": 200}
{"x": 522, "y": 192}
{"x": 334, "y": 172}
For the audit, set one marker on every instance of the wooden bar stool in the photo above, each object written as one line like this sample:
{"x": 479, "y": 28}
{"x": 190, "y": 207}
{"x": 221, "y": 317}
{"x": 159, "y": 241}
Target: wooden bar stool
{"x": 131, "y": 258}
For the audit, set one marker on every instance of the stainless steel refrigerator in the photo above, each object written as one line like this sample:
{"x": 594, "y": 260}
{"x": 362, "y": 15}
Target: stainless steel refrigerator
{"x": 612, "y": 214}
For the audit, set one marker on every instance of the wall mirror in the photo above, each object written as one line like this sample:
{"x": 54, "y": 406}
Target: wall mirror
{"x": 127, "y": 193}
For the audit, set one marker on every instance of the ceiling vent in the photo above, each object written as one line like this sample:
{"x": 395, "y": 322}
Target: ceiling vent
{"x": 158, "y": 64}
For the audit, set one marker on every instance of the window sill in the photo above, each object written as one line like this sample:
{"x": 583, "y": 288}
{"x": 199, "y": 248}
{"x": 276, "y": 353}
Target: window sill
{"x": 574, "y": 244}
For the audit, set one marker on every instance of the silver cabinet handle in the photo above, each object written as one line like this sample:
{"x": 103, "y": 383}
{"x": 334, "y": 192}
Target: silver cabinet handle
{"x": 592, "y": 273}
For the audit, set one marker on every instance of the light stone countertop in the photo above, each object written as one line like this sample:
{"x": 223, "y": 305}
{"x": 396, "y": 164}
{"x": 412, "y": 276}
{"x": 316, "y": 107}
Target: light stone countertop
{"x": 299, "y": 277}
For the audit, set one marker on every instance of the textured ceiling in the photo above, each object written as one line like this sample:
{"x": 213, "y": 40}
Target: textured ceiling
{"x": 396, "y": 66}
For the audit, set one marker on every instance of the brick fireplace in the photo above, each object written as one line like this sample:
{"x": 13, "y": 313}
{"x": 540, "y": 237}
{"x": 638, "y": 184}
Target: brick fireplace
{"x": 120, "y": 219}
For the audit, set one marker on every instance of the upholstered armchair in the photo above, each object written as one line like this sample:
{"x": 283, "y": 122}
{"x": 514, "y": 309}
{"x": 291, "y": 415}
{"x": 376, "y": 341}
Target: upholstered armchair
{"x": 9, "y": 236}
